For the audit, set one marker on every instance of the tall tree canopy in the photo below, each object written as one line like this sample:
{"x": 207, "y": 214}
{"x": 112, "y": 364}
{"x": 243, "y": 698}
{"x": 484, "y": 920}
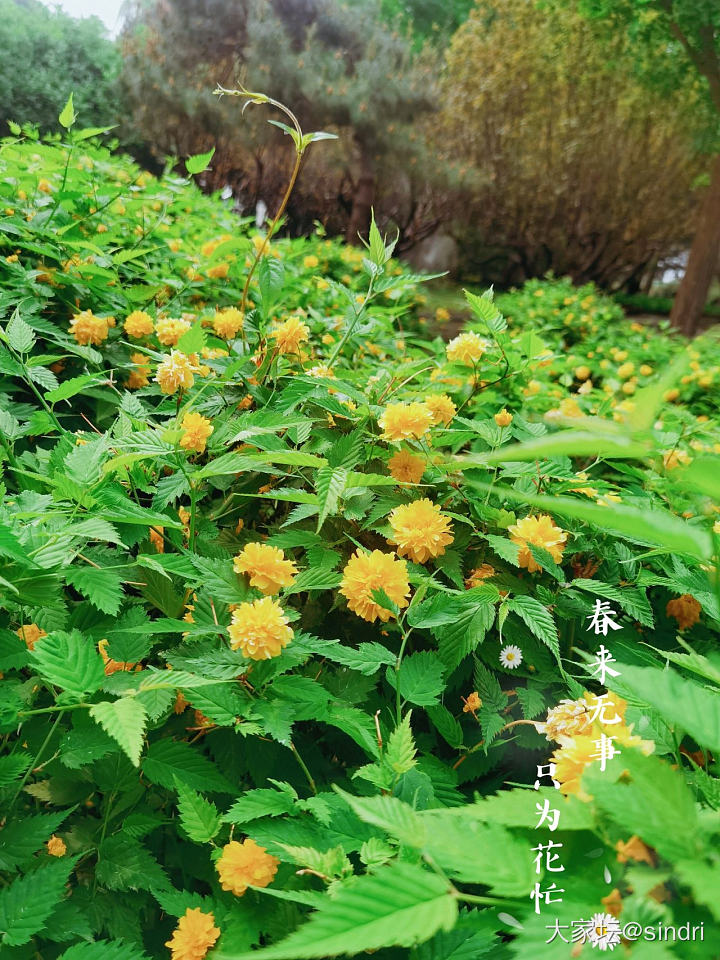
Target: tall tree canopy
{"x": 674, "y": 39}
{"x": 339, "y": 65}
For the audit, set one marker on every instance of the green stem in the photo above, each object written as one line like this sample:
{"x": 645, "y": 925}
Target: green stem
{"x": 303, "y": 767}
{"x": 36, "y": 760}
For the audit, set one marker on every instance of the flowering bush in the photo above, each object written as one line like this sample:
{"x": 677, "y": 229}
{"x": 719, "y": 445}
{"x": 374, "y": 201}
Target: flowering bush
{"x": 294, "y": 595}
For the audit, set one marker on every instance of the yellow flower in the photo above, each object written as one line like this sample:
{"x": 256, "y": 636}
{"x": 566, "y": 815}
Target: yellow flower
{"x": 56, "y": 846}
{"x": 228, "y": 323}
{"x": 194, "y": 935}
{"x": 175, "y": 372}
{"x": 503, "y": 418}
{"x": 311, "y": 261}
{"x": 196, "y": 430}
{"x": 568, "y": 719}
{"x": 259, "y": 629}
{"x": 266, "y": 566}
{"x": 138, "y": 324}
{"x": 219, "y": 271}
{"x": 420, "y": 531}
{"x": 685, "y": 609}
{"x": 626, "y": 370}
{"x": 406, "y": 467}
{"x": 634, "y": 849}
{"x": 245, "y": 864}
{"x": 675, "y": 458}
{"x": 467, "y": 348}
{"x": 170, "y": 329}
{"x": 442, "y": 315}
{"x": 320, "y": 370}
{"x": 366, "y": 572}
{"x": 402, "y": 421}
{"x": 289, "y": 335}
{"x": 540, "y": 531}
{"x": 87, "y": 328}
{"x": 441, "y": 407}
{"x": 646, "y": 369}
{"x": 484, "y": 572}
{"x": 472, "y": 703}
{"x": 30, "y": 633}
{"x": 583, "y": 373}
{"x": 44, "y": 186}
{"x": 138, "y": 377}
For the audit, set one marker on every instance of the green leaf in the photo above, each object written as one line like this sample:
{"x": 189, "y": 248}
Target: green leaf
{"x": 398, "y": 905}
{"x": 199, "y": 817}
{"x": 193, "y": 340}
{"x": 255, "y": 804}
{"x": 27, "y": 902}
{"x": 389, "y": 814}
{"x": 67, "y": 115}
{"x": 199, "y": 162}
{"x": 538, "y": 619}
{"x": 170, "y": 759}
{"x": 102, "y": 587}
{"x": 681, "y": 703}
{"x": 104, "y": 950}
{"x": 329, "y": 484}
{"x": 69, "y": 388}
{"x": 124, "y": 720}
{"x": 467, "y": 629}
{"x": 366, "y": 659}
{"x": 650, "y": 800}
{"x": 400, "y": 753}
{"x": 420, "y": 678}
{"x": 21, "y": 838}
{"x": 12, "y": 767}
{"x": 124, "y": 864}
{"x": 20, "y": 335}
{"x": 70, "y": 661}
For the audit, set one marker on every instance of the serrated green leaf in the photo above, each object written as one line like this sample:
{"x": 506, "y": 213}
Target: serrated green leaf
{"x": 67, "y": 114}
{"x": 102, "y": 587}
{"x": 329, "y": 484}
{"x": 27, "y": 902}
{"x": 69, "y": 661}
{"x": 199, "y": 817}
{"x": 538, "y": 619}
{"x": 124, "y": 720}
{"x": 259, "y": 803}
{"x": 398, "y": 905}
{"x": 20, "y": 335}
{"x": 199, "y": 162}
{"x": 104, "y": 950}
{"x": 400, "y": 753}
{"x": 170, "y": 759}
{"x": 420, "y": 678}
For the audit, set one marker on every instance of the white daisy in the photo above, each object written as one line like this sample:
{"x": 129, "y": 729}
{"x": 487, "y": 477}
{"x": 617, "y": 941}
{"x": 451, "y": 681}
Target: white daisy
{"x": 511, "y": 656}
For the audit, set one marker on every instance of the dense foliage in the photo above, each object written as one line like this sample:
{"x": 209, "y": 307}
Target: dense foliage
{"x": 293, "y": 593}
{"x": 606, "y": 188}
{"x": 66, "y": 55}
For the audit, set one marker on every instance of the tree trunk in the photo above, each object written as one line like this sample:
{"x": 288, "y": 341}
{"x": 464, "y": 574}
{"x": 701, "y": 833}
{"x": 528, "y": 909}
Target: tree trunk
{"x": 363, "y": 199}
{"x": 702, "y": 262}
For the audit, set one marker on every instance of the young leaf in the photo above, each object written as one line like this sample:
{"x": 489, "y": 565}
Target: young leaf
{"x": 198, "y": 816}
{"x": 67, "y": 115}
{"x": 124, "y": 720}
{"x": 199, "y": 162}
{"x": 400, "y": 753}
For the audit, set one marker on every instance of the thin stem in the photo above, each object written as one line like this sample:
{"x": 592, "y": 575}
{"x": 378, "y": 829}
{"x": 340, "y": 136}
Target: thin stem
{"x": 303, "y": 767}
{"x": 40, "y": 752}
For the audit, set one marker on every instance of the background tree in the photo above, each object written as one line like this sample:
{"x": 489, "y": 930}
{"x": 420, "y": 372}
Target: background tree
{"x": 674, "y": 40}
{"x": 564, "y": 159}
{"x": 340, "y": 65}
{"x": 46, "y": 55}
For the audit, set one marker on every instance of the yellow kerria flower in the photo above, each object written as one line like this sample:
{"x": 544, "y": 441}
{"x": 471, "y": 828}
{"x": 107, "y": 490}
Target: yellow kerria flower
{"x": 472, "y": 703}
{"x": 56, "y": 846}
{"x": 675, "y": 458}
{"x": 87, "y": 328}
{"x": 441, "y": 407}
{"x": 194, "y": 935}
{"x": 289, "y": 335}
{"x": 259, "y": 629}
{"x": 175, "y": 372}
{"x": 542, "y": 532}
{"x": 245, "y": 864}
{"x": 196, "y": 430}
{"x": 228, "y": 323}
{"x": 406, "y": 467}
{"x": 467, "y": 348}
{"x": 420, "y": 531}
{"x": 44, "y": 186}
{"x": 170, "y": 329}
{"x": 138, "y": 324}
{"x": 219, "y": 271}
{"x": 310, "y": 262}
{"x": 503, "y": 418}
{"x": 139, "y": 377}
{"x": 685, "y": 609}
{"x": 366, "y": 572}
{"x": 30, "y": 633}
{"x": 266, "y": 567}
{"x": 484, "y": 572}
{"x": 568, "y": 719}
{"x": 403, "y": 421}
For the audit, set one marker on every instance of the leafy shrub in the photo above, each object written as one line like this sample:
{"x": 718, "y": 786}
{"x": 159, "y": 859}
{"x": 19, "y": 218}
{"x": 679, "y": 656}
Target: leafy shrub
{"x": 569, "y": 163}
{"x": 66, "y": 55}
{"x": 264, "y": 574}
